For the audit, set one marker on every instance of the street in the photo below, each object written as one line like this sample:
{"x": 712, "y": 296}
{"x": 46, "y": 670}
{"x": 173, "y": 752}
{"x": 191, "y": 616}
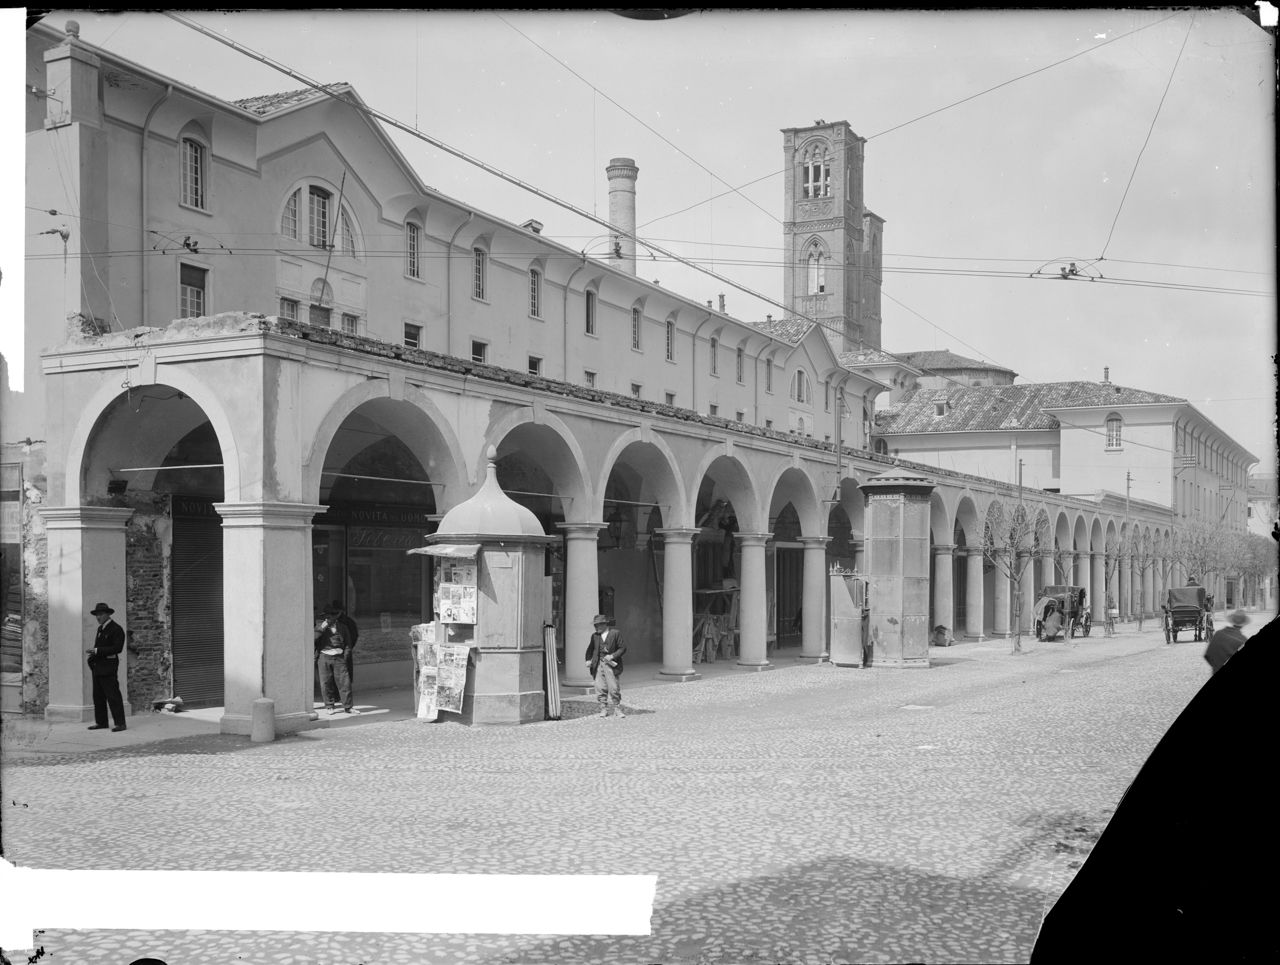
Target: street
{"x": 809, "y": 814}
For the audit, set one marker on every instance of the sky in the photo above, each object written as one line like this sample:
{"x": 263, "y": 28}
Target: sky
{"x": 1041, "y": 172}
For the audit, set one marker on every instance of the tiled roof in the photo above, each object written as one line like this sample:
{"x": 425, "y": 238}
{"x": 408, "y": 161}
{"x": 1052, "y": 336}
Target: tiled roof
{"x": 1002, "y": 407}
{"x": 945, "y": 360}
{"x": 788, "y": 329}
{"x": 267, "y": 103}
{"x": 865, "y": 356}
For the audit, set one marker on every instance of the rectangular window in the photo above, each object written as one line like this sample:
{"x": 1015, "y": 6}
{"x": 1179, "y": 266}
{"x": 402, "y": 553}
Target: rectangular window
{"x": 635, "y": 390}
{"x": 535, "y": 365}
{"x": 671, "y": 341}
{"x": 1113, "y": 433}
{"x": 739, "y": 415}
{"x": 413, "y": 336}
{"x": 591, "y": 313}
{"x": 635, "y": 328}
{"x": 535, "y": 293}
{"x": 192, "y": 173}
{"x": 412, "y": 268}
{"x": 318, "y": 315}
{"x": 807, "y": 188}
{"x": 289, "y": 218}
{"x": 768, "y": 375}
{"x": 289, "y": 309}
{"x": 715, "y": 351}
{"x": 713, "y": 409}
{"x": 768, "y": 423}
{"x": 671, "y": 398}
{"x": 481, "y": 271}
{"x": 741, "y": 361}
{"x": 479, "y": 352}
{"x": 318, "y": 215}
{"x": 589, "y": 378}
{"x": 192, "y": 284}
{"x": 350, "y": 324}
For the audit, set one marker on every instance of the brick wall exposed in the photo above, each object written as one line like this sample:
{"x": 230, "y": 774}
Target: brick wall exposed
{"x": 35, "y": 619}
{"x": 148, "y": 539}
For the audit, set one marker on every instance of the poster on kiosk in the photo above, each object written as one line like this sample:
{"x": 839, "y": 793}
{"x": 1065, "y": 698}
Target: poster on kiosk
{"x": 441, "y": 648}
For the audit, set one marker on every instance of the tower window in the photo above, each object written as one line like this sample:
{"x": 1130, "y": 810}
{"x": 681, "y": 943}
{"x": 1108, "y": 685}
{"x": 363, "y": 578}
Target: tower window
{"x": 817, "y": 272}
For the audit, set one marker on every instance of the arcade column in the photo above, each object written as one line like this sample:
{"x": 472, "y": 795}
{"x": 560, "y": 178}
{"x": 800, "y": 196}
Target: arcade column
{"x": 752, "y": 609}
{"x": 975, "y": 601}
{"x": 1000, "y": 618}
{"x": 944, "y": 613}
{"x": 1027, "y": 586}
{"x": 677, "y": 605}
{"x": 581, "y": 598}
{"x": 813, "y": 601}
{"x": 1098, "y": 587}
{"x": 268, "y": 643}
{"x": 897, "y": 522}
{"x": 86, "y": 566}
{"x": 1126, "y": 588}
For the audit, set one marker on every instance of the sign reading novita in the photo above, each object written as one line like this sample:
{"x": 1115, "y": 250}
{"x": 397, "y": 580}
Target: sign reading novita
{"x": 187, "y": 506}
{"x": 376, "y": 515}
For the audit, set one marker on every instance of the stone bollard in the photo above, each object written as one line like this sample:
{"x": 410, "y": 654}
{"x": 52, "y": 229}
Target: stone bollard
{"x": 264, "y": 720}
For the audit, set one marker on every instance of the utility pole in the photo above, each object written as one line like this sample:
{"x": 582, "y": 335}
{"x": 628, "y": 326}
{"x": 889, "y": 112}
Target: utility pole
{"x": 1019, "y": 482}
{"x": 1128, "y": 481}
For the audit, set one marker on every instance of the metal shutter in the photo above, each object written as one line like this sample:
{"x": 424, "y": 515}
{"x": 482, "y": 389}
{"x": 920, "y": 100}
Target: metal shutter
{"x": 197, "y": 611}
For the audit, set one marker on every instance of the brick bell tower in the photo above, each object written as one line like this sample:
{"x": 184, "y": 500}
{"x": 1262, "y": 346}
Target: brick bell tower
{"x": 832, "y": 243}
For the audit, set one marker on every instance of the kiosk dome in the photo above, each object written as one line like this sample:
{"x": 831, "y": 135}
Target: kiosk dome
{"x": 490, "y": 512}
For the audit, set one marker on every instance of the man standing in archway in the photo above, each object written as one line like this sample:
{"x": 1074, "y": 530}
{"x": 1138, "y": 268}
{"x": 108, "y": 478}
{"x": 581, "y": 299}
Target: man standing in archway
{"x": 104, "y": 664}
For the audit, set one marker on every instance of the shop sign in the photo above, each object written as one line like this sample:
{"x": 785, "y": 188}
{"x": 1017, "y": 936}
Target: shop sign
{"x": 377, "y": 537}
{"x": 376, "y": 515}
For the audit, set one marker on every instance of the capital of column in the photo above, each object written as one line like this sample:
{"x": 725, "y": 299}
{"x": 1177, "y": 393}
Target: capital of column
{"x": 267, "y": 515}
{"x": 943, "y": 549}
{"x": 85, "y": 517}
{"x": 677, "y": 534}
{"x": 580, "y": 530}
{"x": 814, "y": 542}
{"x": 971, "y": 550}
{"x": 753, "y": 539}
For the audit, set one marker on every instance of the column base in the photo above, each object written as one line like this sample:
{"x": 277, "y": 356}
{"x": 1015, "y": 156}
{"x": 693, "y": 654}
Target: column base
{"x": 76, "y": 714}
{"x": 577, "y": 690}
{"x": 852, "y": 665}
{"x": 1002, "y": 635}
{"x": 242, "y": 724}
{"x": 679, "y": 678}
{"x": 754, "y": 666}
{"x": 820, "y": 658}
{"x": 973, "y": 638}
{"x": 901, "y": 663}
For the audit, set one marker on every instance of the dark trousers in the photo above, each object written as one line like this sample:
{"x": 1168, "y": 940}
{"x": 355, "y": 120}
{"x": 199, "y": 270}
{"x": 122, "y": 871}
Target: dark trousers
{"x": 106, "y": 694}
{"x": 334, "y": 683}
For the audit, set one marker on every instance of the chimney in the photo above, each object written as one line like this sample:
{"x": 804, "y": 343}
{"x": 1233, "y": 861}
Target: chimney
{"x": 722, "y": 303}
{"x": 73, "y": 72}
{"x": 768, "y": 318}
{"x": 708, "y": 303}
{"x": 622, "y": 173}
{"x": 532, "y": 225}
{"x": 1106, "y": 375}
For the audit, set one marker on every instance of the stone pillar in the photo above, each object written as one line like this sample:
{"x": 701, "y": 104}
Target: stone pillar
{"x": 86, "y": 566}
{"x": 1149, "y": 589}
{"x": 944, "y": 609}
{"x": 814, "y": 599}
{"x": 897, "y": 526}
{"x": 581, "y": 598}
{"x": 677, "y": 605}
{"x": 1126, "y": 590}
{"x": 1081, "y": 576}
{"x": 1098, "y": 587}
{"x": 752, "y": 606}
{"x": 1028, "y": 586}
{"x": 1158, "y": 572}
{"x": 1000, "y": 624}
{"x": 975, "y": 602}
{"x": 268, "y": 617}
{"x": 1047, "y": 572}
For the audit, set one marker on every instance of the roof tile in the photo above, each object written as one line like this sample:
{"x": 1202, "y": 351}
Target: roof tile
{"x": 948, "y": 360}
{"x": 788, "y": 329}
{"x": 269, "y": 103}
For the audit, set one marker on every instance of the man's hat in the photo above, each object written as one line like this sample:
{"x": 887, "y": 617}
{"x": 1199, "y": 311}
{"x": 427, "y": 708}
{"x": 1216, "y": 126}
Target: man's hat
{"x": 331, "y": 610}
{"x": 1239, "y": 618}
{"x": 101, "y": 608}
{"x": 336, "y": 606}
{"x": 600, "y": 618}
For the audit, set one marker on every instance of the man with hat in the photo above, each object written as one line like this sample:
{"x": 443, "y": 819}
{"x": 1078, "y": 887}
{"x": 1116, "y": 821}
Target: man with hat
{"x": 1226, "y": 641}
{"x": 604, "y": 655}
{"x": 332, "y": 645}
{"x": 353, "y": 634}
{"x": 104, "y": 665}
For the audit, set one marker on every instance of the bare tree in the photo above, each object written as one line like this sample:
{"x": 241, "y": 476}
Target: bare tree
{"x": 1141, "y": 550}
{"x": 1112, "y": 552}
{"x": 1009, "y": 541}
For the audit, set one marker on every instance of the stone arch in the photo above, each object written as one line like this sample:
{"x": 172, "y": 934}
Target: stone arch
{"x": 548, "y": 443}
{"x": 733, "y": 481}
{"x": 656, "y": 463}
{"x": 941, "y": 525}
{"x": 1080, "y": 534}
{"x": 1097, "y": 540}
{"x": 793, "y": 485}
{"x": 84, "y": 466}
{"x": 416, "y": 420}
{"x": 968, "y": 521}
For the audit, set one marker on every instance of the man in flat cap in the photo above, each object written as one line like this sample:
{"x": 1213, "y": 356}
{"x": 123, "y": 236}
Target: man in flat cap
{"x": 604, "y": 656}
{"x": 104, "y": 665}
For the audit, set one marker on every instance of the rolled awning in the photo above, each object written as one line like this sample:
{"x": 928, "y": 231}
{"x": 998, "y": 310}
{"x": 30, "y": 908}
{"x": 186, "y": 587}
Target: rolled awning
{"x": 465, "y": 551}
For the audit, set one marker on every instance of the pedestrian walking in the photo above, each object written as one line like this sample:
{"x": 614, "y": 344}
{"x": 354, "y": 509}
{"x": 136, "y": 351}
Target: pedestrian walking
{"x": 104, "y": 665}
{"x": 331, "y": 649}
{"x": 1226, "y": 641}
{"x": 604, "y": 655}
{"x": 353, "y": 635}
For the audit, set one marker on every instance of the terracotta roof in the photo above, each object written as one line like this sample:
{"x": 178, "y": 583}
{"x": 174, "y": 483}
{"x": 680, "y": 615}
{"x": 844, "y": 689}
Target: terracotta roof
{"x": 267, "y": 103}
{"x": 1002, "y": 407}
{"x": 945, "y": 361}
{"x": 788, "y": 329}
{"x": 865, "y": 356}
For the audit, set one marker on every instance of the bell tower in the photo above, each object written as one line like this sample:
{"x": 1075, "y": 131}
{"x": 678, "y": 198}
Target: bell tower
{"x": 832, "y": 243}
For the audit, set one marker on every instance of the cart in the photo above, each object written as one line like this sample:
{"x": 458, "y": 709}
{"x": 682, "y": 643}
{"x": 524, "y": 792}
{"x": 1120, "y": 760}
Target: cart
{"x": 1069, "y": 603}
{"x": 1187, "y": 608}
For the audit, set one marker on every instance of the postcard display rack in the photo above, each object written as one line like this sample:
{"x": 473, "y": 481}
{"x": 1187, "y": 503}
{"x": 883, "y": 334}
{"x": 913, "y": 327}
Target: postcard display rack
{"x": 442, "y": 650}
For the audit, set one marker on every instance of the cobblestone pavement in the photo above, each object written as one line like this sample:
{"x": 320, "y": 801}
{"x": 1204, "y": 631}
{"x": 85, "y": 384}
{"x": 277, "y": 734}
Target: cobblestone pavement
{"x": 810, "y": 814}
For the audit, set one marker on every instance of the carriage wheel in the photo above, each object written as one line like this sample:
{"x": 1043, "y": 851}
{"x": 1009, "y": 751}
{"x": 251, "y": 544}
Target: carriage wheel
{"x": 1168, "y": 637}
{"x": 1039, "y": 630}
{"x": 1088, "y": 624}
{"x": 1071, "y": 628}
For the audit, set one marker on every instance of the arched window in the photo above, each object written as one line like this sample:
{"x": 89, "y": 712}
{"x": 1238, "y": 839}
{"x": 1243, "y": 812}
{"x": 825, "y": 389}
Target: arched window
{"x": 768, "y": 375}
{"x": 412, "y": 250}
{"x": 289, "y": 217}
{"x": 800, "y": 389}
{"x": 826, "y": 395}
{"x": 194, "y": 174}
{"x": 671, "y": 340}
{"x": 1113, "y": 432}
{"x": 346, "y": 237}
{"x": 817, "y": 273}
{"x": 589, "y": 313}
{"x": 481, "y": 272}
{"x": 318, "y": 217}
{"x": 741, "y": 363}
{"x": 715, "y": 352}
{"x": 535, "y": 293}
{"x": 635, "y": 328}
{"x": 882, "y": 447}
{"x": 815, "y": 174}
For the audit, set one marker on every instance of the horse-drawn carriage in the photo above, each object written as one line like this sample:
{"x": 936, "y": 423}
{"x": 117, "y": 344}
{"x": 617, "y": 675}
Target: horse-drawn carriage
{"x": 1187, "y": 608}
{"x": 1061, "y": 609}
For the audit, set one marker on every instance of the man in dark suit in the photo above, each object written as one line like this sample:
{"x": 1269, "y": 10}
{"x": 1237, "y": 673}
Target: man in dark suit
{"x": 353, "y": 634}
{"x": 604, "y": 657}
{"x": 104, "y": 664}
